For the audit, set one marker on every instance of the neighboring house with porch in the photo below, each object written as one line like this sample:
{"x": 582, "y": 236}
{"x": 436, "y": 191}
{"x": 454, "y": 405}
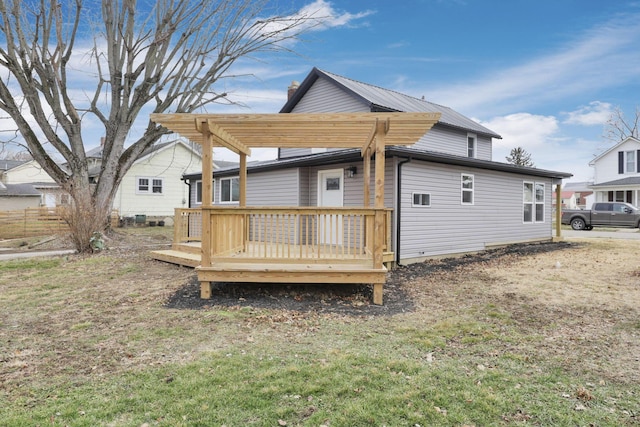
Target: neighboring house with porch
{"x": 445, "y": 193}
{"x": 617, "y": 173}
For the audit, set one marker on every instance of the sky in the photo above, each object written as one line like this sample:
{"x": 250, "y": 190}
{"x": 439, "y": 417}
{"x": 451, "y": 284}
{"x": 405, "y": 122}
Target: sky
{"x": 545, "y": 75}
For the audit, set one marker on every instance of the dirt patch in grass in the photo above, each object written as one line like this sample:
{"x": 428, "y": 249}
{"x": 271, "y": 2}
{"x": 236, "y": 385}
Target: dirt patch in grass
{"x": 353, "y": 300}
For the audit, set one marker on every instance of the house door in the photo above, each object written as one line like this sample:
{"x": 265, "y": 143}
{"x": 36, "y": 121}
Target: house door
{"x": 330, "y": 194}
{"x": 50, "y": 200}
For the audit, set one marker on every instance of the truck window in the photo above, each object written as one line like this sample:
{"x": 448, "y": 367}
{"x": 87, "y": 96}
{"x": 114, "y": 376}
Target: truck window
{"x": 603, "y": 207}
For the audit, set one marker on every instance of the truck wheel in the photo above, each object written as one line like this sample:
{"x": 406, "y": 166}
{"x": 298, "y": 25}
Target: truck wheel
{"x": 578, "y": 224}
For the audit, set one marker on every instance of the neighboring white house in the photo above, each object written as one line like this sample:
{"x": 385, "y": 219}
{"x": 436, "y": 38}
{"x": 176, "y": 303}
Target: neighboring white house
{"x": 152, "y": 186}
{"x": 617, "y": 173}
{"x": 26, "y": 179}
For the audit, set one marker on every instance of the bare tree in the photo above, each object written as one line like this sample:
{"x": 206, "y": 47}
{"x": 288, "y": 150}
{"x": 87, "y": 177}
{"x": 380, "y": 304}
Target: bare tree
{"x": 155, "y": 57}
{"x": 618, "y": 127}
{"x": 520, "y": 157}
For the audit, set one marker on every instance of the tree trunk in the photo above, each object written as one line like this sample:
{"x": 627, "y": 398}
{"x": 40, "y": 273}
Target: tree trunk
{"x": 86, "y": 216}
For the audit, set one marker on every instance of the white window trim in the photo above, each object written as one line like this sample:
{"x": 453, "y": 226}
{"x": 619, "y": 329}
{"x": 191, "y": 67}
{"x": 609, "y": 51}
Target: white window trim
{"x": 420, "y": 205}
{"x": 227, "y": 202}
{"x": 472, "y": 190}
{"x": 630, "y": 154}
{"x": 475, "y": 145}
{"x": 534, "y": 202}
{"x": 149, "y": 191}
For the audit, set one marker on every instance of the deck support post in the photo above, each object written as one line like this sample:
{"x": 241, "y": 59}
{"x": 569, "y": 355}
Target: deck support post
{"x": 205, "y": 290}
{"x": 377, "y": 293}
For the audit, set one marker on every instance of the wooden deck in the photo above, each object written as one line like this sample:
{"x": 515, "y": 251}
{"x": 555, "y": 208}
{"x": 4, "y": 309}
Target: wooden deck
{"x": 189, "y": 255}
{"x": 282, "y": 245}
{"x": 236, "y": 241}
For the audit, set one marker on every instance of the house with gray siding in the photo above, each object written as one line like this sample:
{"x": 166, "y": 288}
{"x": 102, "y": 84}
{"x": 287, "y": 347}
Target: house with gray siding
{"x": 446, "y": 193}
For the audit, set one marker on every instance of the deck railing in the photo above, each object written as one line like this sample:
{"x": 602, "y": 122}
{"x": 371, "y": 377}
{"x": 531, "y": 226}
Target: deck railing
{"x": 298, "y": 234}
{"x": 187, "y": 225}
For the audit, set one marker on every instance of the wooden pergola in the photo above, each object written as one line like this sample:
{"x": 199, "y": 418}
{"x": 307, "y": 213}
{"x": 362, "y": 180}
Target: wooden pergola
{"x": 238, "y": 243}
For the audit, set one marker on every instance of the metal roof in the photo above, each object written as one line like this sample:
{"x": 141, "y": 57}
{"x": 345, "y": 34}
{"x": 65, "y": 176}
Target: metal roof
{"x": 380, "y": 99}
{"x": 6, "y": 165}
{"x": 19, "y": 190}
{"x": 632, "y": 180}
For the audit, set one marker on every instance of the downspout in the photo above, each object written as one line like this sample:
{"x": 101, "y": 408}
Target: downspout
{"x": 187, "y": 182}
{"x": 398, "y": 207}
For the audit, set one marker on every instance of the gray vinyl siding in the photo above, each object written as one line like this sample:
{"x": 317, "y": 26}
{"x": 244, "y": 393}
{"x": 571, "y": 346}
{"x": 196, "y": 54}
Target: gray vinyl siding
{"x": 303, "y": 177}
{"x": 452, "y": 141}
{"x": 323, "y": 97}
{"x": 273, "y": 188}
{"x": 484, "y": 147}
{"x": 447, "y": 226}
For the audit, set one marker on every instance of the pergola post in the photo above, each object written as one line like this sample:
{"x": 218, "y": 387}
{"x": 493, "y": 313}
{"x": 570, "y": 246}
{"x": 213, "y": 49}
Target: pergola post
{"x": 207, "y": 202}
{"x": 558, "y": 211}
{"x": 382, "y": 128}
{"x": 367, "y": 177}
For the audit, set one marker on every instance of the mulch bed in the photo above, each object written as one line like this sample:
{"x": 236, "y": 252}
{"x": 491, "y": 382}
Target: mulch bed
{"x": 354, "y": 300}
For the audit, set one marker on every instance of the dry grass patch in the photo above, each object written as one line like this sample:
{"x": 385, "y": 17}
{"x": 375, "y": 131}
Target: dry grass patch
{"x": 500, "y": 338}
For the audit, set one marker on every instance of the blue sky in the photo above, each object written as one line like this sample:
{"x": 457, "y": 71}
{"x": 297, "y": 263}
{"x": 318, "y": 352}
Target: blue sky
{"x": 546, "y": 75}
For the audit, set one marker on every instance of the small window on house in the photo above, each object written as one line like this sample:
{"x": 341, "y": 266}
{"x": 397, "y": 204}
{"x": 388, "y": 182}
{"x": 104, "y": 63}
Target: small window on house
{"x": 332, "y": 184}
{"x": 467, "y": 189}
{"x": 143, "y": 185}
{"x": 533, "y": 197}
{"x": 630, "y": 161}
{"x": 198, "y": 199}
{"x": 156, "y": 186}
{"x": 539, "y": 202}
{"x": 471, "y": 145}
{"x": 149, "y": 185}
{"x": 421, "y": 199}
{"x": 229, "y": 190}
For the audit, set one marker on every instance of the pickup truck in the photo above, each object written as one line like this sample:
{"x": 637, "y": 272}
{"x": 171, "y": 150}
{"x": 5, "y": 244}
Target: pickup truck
{"x": 603, "y": 214}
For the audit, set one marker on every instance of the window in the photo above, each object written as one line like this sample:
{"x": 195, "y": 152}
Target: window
{"x": 533, "y": 195}
{"x": 539, "y": 202}
{"x": 149, "y": 185}
{"x": 420, "y": 199}
{"x": 229, "y": 190}
{"x": 198, "y": 192}
{"x": 471, "y": 145}
{"x": 630, "y": 164}
{"x": 467, "y": 189}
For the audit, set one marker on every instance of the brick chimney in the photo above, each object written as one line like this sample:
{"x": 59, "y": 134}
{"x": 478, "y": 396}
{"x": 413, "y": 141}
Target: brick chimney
{"x": 292, "y": 89}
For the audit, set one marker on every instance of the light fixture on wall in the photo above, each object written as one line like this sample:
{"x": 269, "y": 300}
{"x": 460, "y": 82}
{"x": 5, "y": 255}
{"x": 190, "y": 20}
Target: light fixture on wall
{"x": 352, "y": 171}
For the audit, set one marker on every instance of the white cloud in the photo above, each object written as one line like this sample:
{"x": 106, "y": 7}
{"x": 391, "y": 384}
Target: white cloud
{"x": 317, "y": 16}
{"x": 594, "y": 114}
{"x": 544, "y": 138}
{"x": 524, "y": 130}
{"x": 606, "y": 56}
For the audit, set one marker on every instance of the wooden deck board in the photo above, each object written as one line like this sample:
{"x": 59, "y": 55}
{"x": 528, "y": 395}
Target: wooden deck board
{"x": 291, "y": 273}
{"x": 184, "y": 259}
